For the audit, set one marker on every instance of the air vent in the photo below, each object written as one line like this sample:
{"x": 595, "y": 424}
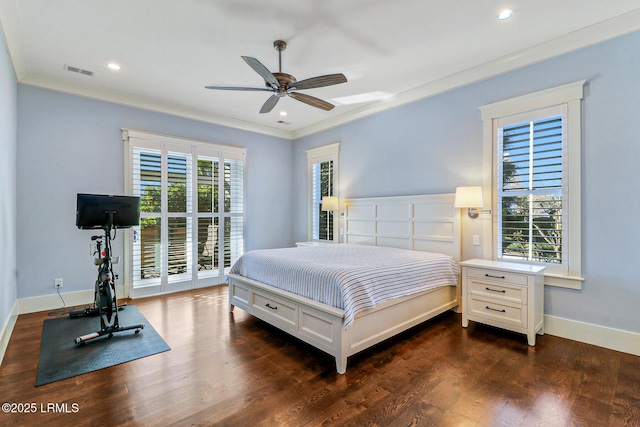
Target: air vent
{"x": 78, "y": 70}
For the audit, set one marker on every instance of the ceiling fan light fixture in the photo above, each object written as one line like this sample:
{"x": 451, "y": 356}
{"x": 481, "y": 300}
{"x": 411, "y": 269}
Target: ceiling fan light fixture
{"x": 505, "y": 14}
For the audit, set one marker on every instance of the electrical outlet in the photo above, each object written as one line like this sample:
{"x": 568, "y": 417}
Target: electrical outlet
{"x": 476, "y": 240}
{"x": 57, "y": 283}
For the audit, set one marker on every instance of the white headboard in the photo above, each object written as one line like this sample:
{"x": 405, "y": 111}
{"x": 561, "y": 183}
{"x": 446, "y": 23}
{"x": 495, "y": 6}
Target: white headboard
{"x": 427, "y": 223}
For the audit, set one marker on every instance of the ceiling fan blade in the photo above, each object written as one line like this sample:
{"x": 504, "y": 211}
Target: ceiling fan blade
{"x": 311, "y": 100}
{"x": 269, "y": 104}
{"x": 262, "y": 70}
{"x": 261, "y": 89}
{"x": 320, "y": 81}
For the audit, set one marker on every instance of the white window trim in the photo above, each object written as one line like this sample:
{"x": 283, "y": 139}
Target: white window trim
{"x": 319, "y": 155}
{"x": 192, "y": 147}
{"x": 571, "y": 96}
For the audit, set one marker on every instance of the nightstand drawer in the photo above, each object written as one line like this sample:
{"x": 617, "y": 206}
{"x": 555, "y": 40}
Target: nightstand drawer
{"x": 502, "y": 291}
{"x": 276, "y": 309}
{"x": 511, "y": 315}
{"x": 497, "y": 276}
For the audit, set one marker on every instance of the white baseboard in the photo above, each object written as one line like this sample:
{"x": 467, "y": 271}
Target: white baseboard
{"x": 7, "y": 330}
{"x": 53, "y": 302}
{"x": 43, "y": 303}
{"x": 602, "y": 336}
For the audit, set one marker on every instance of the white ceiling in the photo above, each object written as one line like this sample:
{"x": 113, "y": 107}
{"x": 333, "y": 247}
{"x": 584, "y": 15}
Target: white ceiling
{"x": 392, "y": 52}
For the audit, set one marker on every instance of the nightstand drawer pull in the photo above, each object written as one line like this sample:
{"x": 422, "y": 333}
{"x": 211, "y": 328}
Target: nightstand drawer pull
{"x": 494, "y": 277}
{"x": 270, "y": 306}
{"x": 502, "y": 291}
{"x": 494, "y": 309}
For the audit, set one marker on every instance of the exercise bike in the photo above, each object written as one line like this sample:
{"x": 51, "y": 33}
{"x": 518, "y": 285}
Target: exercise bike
{"x": 105, "y": 303}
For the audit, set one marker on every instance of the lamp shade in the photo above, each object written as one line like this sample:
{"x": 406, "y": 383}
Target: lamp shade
{"x": 329, "y": 203}
{"x": 469, "y": 197}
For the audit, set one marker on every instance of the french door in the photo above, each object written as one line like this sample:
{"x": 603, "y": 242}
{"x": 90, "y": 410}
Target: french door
{"x": 191, "y": 212}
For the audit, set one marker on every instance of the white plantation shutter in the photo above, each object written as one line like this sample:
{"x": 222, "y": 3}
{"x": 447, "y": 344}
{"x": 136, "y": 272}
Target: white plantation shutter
{"x": 322, "y": 185}
{"x": 192, "y": 212}
{"x": 233, "y": 211}
{"x": 531, "y": 186}
{"x": 147, "y": 183}
{"x": 316, "y": 200}
{"x": 323, "y": 181}
{"x": 179, "y": 207}
{"x": 207, "y": 216}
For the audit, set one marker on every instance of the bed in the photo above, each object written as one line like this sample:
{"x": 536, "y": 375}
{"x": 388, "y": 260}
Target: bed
{"x": 427, "y": 226}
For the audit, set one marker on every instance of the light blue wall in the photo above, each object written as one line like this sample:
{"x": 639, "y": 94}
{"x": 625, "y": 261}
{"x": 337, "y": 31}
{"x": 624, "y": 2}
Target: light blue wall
{"x": 435, "y": 144}
{"x": 413, "y": 149}
{"x": 432, "y": 145}
{"x": 69, "y": 144}
{"x": 8, "y": 146}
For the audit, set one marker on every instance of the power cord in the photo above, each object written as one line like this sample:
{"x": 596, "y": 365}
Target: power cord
{"x": 60, "y": 311}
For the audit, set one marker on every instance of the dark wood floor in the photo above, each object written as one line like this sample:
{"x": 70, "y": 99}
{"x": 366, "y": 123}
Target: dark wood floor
{"x": 235, "y": 370}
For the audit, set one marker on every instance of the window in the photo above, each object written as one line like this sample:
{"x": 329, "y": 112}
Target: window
{"x": 532, "y": 169}
{"x": 192, "y": 212}
{"x": 323, "y": 182}
{"x": 530, "y": 188}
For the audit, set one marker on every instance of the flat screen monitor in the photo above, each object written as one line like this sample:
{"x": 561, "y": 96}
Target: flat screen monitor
{"x": 96, "y": 210}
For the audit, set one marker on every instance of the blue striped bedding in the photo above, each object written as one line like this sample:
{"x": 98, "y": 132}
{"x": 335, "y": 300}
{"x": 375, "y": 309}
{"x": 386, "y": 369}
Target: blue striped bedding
{"x": 349, "y": 277}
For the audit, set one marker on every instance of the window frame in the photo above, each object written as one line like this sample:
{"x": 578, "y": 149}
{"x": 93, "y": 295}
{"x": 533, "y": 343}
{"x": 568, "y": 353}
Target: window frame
{"x": 316, "y": 156}
{"x": 194, "y": 150}
{"x": 569, "y": 98}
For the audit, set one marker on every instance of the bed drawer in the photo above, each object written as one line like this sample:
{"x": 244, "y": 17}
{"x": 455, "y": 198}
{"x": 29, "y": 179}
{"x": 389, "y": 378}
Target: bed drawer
{"x": 513, "y": 315}
{"x": 275, "y": 308}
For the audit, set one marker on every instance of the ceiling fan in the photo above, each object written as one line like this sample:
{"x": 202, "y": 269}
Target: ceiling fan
{"x": 282, "y": 84}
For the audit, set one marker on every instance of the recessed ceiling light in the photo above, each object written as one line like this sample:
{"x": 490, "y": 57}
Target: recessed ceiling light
{"x": 283, "y": 113}
{"x": 113, "y": 66}
{"x": 505, "y": 14}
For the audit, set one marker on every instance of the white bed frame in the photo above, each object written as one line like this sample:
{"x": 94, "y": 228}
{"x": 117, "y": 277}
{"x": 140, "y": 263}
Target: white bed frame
{"x": 424, "y": 223}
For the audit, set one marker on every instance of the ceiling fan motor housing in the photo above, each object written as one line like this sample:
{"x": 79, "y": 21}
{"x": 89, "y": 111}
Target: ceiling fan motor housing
{"x": 285, "y": 81}
{"x": 283, "y": 84}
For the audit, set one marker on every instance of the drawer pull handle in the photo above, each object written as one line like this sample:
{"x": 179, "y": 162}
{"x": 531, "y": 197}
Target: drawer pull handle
{"x": 493, "y": 309}
{"x": 270, "y": 306}
{"x": 502, "y": 291}
{"x": 494, "y": 277}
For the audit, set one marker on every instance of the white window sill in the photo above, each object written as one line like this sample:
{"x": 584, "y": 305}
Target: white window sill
{"x": 561, "y": 281}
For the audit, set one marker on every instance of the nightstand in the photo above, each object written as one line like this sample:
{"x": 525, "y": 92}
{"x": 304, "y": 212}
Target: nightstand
{"x": 505, "y": 295}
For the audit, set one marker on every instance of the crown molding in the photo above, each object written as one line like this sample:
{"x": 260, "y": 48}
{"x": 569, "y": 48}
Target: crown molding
{"x": 584, "y": 37}
{"x": 67, "y": 86}
{"x": 602, "y": 31}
